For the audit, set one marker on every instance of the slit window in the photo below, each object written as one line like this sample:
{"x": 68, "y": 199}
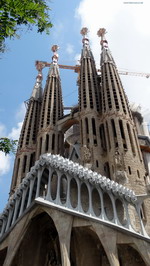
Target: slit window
{"x": 131, "y": 139}
{"x": 32, "y": 160}
{"x": 107, "y": 170}
{"x": 93, "y": 126}
{"x": 107, "y": 129}
{"x": 53, "y": 141}
{"x": 24, "y": 163}
{"x": 87, "y": 125}
{"x": 40, "y": 150}
{"x": 122, "y": 134}
{"x": 47, "y": 143}
{"x": 102, "y": 137}
{"x": 17, "y": 171}
{"x": 129, "y": 168}
{"x": 114, "y": 133}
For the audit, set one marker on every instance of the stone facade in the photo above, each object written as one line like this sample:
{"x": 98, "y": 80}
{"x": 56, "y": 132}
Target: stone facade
{"x": 90, "y": 206}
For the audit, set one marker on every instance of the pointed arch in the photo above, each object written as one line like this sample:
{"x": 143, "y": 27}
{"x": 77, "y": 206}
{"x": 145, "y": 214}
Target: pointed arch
{"x": 44, "y": 252}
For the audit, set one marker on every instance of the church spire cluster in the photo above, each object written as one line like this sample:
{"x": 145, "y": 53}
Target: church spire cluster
{"x": 79, "y": 178}
{"x": 100, "y": 133}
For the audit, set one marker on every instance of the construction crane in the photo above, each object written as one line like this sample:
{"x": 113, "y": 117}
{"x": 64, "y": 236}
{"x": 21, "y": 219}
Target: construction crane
{"x": 41, "y": 64}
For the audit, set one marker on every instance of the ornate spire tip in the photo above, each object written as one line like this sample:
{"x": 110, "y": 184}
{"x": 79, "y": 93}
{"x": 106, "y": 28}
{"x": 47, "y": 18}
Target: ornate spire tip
{"x": 84, "y": 31}
{"x": 55, "y": 56}
{"x": 55, "y": 48}
{"x": 101, "y": 32}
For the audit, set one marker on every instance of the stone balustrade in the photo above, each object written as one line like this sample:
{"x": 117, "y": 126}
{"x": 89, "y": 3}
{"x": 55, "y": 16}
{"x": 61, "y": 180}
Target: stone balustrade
{"x": 75, "y": 189}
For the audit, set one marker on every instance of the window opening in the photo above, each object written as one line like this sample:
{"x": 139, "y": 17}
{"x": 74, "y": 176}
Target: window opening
{"x": 114, "y": 133}
{"x": 122, "y": 134}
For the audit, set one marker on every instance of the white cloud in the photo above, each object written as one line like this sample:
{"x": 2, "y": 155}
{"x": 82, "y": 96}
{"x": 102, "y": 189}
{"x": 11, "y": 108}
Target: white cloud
{"x": 77, "y": 58}
{"x": 21, "y": 112}
{"x": 2, "y": 130}
{"x": 70, "y": 49}
{"x": 4, "y": 163}
{"x": 15, "y": 132}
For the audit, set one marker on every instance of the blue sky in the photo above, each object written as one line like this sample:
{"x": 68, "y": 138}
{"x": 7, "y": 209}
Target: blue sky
{"x": 129, "y": 40}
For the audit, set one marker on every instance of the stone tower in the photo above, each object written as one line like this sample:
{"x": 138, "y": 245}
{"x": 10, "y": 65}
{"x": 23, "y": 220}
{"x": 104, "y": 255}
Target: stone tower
{"x": 89, "y": 106}
{"x": 25, "y": 157}
{"x": 49, "y": 138}
{"x": 122, "y": 156}
{"x": 80, "y": 189}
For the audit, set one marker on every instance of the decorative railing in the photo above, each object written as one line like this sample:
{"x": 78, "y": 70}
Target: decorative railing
{"x": 75, "y": 189}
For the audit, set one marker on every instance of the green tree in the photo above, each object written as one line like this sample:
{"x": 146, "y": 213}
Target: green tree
{"x": 15, "y": 13}
{"x": 8, "y": 145}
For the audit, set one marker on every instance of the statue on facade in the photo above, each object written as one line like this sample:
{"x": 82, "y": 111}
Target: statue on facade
{"x": 120, "y": 173}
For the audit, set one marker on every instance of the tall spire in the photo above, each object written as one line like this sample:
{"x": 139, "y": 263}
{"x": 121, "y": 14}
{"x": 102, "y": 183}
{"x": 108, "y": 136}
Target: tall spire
{"x": 52, "y": 108}
{"x": 117, "y": 130}
{"x": 25, "y": 157}
{"x": 106, "y": 55}
{"x": 89, "y": 103}
{"x": 88, "y": 84}
{"x": 37, "y": 89}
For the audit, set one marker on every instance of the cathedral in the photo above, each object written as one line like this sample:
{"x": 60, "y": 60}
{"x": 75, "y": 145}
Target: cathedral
{"x": 80, "y": 190}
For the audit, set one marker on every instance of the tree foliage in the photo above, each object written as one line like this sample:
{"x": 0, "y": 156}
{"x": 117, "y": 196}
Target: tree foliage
{"x": 8, "y": 145}
{"x": 14, "y": 13}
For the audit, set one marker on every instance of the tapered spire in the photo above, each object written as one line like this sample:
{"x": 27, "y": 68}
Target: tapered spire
{"x": 88, "y": 85}
{"x": 106, "y": 55}
{"x": 51, "y": 110}
{"x": 25, "y": 157}
{"x": 37, "y": 89}
{"x": 113, "y": 94}
{"x": 117, "y": 130}
{"x": 89, "y": 103}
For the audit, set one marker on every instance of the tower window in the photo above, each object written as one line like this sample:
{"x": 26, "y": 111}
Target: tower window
{"x": 94, "y": 131}
{"x": 97, "y": 163}
{"x": 93, "y": 126}
{"x": 122, "y": 134}
{"x": 58, "y": 144}
{"x": 131, "y": 139}
{"x": 87, "y": 125}
{"x": 53, "y": 142}
{"x": 40, "y": 149}
{"x": 143, "y": 213}
{"x": 32, "y": 160}
{"x": 47, "y": 143}
{"x": 102, "y": 137}
{"x": 107, "y": 129}
{"x": 137, "y": 145}
{"x": 107, "y": 170}
{"x": 138, "y": 173}
{"x": 17, "y": 171}
{"x": 129, "y": 168}
{"x": 24, "y": 163}
{"x": 114, "y": 133}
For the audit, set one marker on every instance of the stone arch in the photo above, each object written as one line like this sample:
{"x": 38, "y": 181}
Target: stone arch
{"x": 44, "y": 183}
{"x": 54, "y": 184}
{"x": 26, "y": 198}
{"x": 43, "y": 248}
{"x": 129, "y": 256}
{"x": 73, "y": 193}
{"x": 84, "y": 197}
{"x": 96, "y": 202}
{"x": 34, "y": 189}
{"x": 121, "y": 212}
{"x": 86, "y": 248}
{"x": 108, "y": 207}
{"x": 63, "y": 188}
